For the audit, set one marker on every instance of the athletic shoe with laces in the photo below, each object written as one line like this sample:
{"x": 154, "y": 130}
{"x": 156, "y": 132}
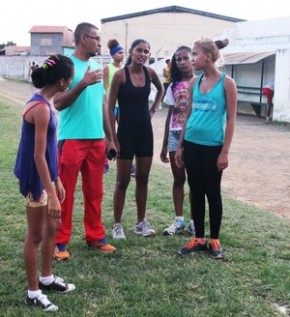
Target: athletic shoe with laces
{"x": 191, "y": 229}
{"x": 41, "y": 301}
{"x": 118, "y": 232}
{"x": 195, "y": 245}
{"x": 215, "y": 249}
{"x": 176, "y": 228}
{"x": 60, "y": 252}
{"x": 143, "y": 228}
{"x": 106, "y": 168}
{"x": 102, "y": 245}
{"x": 57, "y": 286}
{"x": 133, "y": 170}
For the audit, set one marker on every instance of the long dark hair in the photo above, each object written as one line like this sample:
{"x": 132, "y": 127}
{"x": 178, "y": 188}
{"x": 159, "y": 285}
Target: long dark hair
{"x": 175, "y": 73}
{"x": 54, "y": 68}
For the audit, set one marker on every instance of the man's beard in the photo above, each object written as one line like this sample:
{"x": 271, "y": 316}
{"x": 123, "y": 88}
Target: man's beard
{"x": 93, "y": 54}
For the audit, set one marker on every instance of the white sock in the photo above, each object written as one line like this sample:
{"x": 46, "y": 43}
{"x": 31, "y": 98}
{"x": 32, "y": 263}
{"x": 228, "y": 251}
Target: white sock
{"x": 179, "y": 218}
{"x": 191, "y": 221}
{"x": 34, "y": 294}
{"x": 46, "y": 280}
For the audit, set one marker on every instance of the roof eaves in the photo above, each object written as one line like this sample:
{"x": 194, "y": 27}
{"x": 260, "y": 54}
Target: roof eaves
{"x": 245, "y": 57}
{"x": 170, "y": 9}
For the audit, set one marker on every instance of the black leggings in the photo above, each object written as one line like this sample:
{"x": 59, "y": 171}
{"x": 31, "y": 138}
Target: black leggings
{"x": 204, "y": 180}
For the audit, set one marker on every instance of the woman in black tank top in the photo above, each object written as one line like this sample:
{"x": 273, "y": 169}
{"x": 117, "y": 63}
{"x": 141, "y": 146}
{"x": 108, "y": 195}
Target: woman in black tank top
{"x": 131, "y": 86}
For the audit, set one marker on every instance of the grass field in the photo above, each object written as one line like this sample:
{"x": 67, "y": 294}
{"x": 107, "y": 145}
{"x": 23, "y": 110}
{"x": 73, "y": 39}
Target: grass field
{"x": 146, "y": 276}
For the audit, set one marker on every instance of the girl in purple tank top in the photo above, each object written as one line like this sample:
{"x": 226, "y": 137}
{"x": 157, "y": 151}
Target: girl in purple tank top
{"x": 36, "y": 170}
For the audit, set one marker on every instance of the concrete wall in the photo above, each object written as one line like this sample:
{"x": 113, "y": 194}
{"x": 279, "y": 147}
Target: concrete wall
{"x": 17, "y": 67}
{"x": 282, "y": 86}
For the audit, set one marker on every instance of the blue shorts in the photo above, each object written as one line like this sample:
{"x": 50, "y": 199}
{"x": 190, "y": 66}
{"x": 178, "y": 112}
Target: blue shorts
{"x": 173, "y": 140}
{"x": 116, "y": 111}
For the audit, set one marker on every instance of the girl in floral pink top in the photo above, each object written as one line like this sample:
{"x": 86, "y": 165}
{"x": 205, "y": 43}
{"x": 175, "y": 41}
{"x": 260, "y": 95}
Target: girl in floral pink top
{"x": 177, "y": 98}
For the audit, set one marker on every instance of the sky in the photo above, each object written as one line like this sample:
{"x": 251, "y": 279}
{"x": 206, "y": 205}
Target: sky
{"x": 17, "y": 17}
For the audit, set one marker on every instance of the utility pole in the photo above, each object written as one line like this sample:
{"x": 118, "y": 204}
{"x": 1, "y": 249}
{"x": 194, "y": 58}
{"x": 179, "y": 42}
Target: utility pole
{"x": 126, "y": 38}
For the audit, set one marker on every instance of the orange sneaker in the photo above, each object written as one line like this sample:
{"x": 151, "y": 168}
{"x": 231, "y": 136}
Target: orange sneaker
{"x": 102, "y": 245}
{"x": 215, "y": 249}
{"x": 60, "y": 252}
{"x": 194, "y": 245}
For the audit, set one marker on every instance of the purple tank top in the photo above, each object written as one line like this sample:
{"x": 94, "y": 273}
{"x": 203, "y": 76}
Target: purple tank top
{"x": 25, "y": 169}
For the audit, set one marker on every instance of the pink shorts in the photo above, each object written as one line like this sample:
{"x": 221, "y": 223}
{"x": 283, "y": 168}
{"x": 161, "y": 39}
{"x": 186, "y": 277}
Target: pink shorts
{"x": 30, "y": 202}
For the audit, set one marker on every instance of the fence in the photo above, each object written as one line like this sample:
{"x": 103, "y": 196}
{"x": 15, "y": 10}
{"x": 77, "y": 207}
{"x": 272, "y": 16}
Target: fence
{"x": 17, "y": 67}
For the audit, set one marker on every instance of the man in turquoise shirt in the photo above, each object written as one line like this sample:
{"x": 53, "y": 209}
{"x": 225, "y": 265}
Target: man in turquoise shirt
{"x": 83, "y": 125}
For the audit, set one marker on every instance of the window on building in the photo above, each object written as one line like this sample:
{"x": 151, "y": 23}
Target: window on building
{"x": 45, "y": 42}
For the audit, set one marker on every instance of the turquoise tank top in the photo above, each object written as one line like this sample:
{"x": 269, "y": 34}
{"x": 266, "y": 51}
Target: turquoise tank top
{"x": 205, "y": 125}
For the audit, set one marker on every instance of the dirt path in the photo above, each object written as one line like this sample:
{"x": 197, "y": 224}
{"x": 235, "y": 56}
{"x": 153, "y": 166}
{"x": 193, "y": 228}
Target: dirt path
{"x": 17, "y": 91}
{"x": 258, "y": 172}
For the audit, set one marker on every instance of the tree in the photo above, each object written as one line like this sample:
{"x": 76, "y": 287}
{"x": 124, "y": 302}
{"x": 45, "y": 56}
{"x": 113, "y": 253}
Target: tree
{"x": 9, "y": 43}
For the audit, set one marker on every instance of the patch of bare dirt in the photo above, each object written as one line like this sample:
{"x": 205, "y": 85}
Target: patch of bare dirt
{"x": 258, "y": 171}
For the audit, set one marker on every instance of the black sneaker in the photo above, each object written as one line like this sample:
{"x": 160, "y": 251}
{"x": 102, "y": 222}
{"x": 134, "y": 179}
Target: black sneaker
{"x": 42, "y": 302}
{"x": 215, "y": 249}
{"x": 194, "y": 245}
{"x": 57, "y": 285}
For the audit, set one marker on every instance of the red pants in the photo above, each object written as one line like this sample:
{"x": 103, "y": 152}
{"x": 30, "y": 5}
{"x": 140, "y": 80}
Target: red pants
{"x": 87, "y": 157}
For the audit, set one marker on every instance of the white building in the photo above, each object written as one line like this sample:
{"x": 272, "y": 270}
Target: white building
{"x": 164, "y": 28}
{"x": 258, "y": 52}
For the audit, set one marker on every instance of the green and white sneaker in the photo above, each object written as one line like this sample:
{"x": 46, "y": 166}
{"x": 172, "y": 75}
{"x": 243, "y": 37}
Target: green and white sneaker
{"x": 191, "y": 229}
{"x": 176, "y": 228}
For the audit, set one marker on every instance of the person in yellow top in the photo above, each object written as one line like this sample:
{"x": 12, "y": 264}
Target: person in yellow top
{"x": 117, "y": 53}
{"x": 166, "y": 76}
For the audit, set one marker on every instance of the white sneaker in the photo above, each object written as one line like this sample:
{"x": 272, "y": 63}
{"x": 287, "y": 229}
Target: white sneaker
{"x": 143, "y": 228}
{"x": 118, "y": 232}
{"x": 191, "y": 229}
{"x": 176, "y": 228}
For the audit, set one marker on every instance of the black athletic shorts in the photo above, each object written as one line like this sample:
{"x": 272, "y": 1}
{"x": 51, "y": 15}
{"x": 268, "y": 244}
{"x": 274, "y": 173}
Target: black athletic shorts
{"x": 138, "y": 142}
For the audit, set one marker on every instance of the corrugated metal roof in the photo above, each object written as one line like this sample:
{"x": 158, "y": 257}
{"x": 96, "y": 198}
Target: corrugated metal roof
{"x": 245, "y": 57}
{"x": 171, "y": 9}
